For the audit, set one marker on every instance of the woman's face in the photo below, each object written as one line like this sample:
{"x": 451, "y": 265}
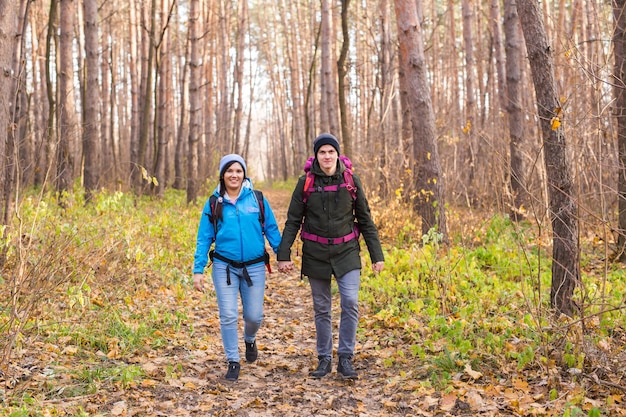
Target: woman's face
{"x": 233, "y": 178}
{"x": 327, "y": 158}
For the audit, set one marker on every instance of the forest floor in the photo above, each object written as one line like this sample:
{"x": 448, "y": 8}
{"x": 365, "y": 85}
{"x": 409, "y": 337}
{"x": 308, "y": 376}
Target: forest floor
{"x": 185, "y": 376}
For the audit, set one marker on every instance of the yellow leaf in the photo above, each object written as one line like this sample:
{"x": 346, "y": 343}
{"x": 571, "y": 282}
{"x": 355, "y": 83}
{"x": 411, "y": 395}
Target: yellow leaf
{"x": 70, "y": 350}
{"x": 472, "y": 373}
{"x": 148, "y": 383}
{"x": 555, "y": 123}
{"x": 190, "y": 385}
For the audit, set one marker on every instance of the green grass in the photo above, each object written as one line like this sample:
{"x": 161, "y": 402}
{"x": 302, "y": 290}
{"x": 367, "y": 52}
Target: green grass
{"x": 484, "y": 301}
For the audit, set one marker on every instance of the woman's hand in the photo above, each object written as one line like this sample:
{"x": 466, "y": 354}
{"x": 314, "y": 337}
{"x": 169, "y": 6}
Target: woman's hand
{"x": 198, "y": 282}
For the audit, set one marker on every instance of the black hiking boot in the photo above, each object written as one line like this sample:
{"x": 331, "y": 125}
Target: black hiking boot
{"x": 323, "y": 367}
{"x": 233, "y": 371}
{"x": 345, "y": 369}
{"x": 251, "y": 351}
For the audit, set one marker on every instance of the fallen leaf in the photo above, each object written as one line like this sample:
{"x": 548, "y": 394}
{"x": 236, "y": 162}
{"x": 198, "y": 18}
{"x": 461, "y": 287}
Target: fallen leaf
{"x": 473, "y": 374}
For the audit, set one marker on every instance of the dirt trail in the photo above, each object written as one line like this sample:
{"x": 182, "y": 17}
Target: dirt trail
{"x": 277, "y": 384}
{"x": 186, "y": 377}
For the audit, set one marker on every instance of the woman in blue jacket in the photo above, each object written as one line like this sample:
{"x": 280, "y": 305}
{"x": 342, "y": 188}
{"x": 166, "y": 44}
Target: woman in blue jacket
{"x": 235, "y": 221}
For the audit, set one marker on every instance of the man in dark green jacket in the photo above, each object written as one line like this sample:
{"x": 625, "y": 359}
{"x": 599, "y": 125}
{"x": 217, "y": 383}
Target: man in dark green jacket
{"x": 332, "y": 216}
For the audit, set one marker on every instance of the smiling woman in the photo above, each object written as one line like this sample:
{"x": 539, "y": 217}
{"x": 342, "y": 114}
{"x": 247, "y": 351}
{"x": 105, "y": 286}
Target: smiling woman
{"x": 237, "y": 219}
{"x": 232, "y": 175}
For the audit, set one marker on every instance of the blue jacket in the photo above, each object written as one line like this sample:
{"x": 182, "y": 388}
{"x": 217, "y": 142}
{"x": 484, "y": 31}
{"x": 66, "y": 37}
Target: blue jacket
{"x": 239, "y": 235}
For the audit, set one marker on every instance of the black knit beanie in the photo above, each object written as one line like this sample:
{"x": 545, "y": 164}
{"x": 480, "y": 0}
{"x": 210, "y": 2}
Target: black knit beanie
{"x": 325, "y": 139}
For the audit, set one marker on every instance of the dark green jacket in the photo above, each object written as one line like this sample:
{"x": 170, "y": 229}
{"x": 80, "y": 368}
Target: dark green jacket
{"x": 329, "y": 214}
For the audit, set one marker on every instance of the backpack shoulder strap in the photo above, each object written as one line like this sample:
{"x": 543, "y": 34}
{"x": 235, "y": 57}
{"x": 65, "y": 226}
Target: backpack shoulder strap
{"x": 308, "y": 186}
{"x": 259, "y": 198}
{"x": 310, "y": 179}
{"x": 349, "y": 181}
{"x": 258, "y": 195}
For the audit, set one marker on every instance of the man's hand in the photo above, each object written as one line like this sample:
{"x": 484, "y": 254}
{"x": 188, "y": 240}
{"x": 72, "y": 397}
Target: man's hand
{"x": 285, "y": 266}
{"x": 198, "y": 282}
{"x": 378, "y": 266}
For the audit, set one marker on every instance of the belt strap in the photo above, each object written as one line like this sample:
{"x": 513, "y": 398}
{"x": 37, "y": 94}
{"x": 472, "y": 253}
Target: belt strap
{"x": 242, "y": 265}
{"x": 330, "y": 240}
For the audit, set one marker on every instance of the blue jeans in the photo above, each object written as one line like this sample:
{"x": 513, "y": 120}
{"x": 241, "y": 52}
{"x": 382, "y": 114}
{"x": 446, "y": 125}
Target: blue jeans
{"x": 227, "y": 302}
{"x": 322, "y": 304}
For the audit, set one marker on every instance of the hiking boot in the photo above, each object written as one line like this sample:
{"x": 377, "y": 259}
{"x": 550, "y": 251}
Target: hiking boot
{"x": 323, "y": 367}
{"x": 345, "y": 369}
{"x": 233, "y": 371}
{"x": 251, "y": 351}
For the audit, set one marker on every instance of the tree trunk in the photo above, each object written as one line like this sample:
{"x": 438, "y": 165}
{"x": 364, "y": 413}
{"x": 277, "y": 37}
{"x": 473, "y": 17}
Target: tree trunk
{"x": 496, "y": 28}
{"x": 563, "y": 206}
{"x": 295, "y": 59}
{"x": 135, "y": 107}
{"x": 429, "y": 200}
{"x": 147, "y": 113}
{"x": 325, "y": 70}
{"x": 92, "y": 98}
{"x": 513, "y": 106}
{"x": 8, "y": 39}
{"x": 195, "y": 100}
{"x": 470, "y": 102}
{"x": 66, "y": 111}
{"x": 162, "y": 119}
{"x": 387, "y": 93}
{"x": 342, "y": 71}
{"x": 619, "y": 50}
{"x": 183, "y": 122}
{"x": 238, "y": 76}
{"x": 225, "y": 110}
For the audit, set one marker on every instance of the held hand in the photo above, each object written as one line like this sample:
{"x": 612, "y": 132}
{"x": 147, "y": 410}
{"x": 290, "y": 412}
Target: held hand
{"x": 198, "y": 282}
{"x": 378, "y": 266}
{"x": 285, "y": 266}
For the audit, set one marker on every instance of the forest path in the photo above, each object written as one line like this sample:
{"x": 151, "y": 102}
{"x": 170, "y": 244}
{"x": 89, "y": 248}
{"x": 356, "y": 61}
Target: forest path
{"x": 278, "y": 383}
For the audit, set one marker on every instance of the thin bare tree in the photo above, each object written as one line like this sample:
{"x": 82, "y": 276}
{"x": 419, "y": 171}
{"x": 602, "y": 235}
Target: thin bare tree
{"x": 470, "y": 128}
{"x": 619, "y": 74}
{"x": 342, "y": 71}
{"x": 562, "y": 202}
{"x": 8, "y": 39}
{"x": 513, "y": 106}
{"x": 195, "y": 100}
{"x": 92, "y": 98}
{"x": 328, "y": 86}
{"x": 66, "y": 111}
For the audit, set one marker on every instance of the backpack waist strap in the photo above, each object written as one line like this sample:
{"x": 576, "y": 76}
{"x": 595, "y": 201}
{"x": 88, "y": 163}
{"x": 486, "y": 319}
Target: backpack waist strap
{"x": 330, "y": 240}
{"x": 265, "y": 258}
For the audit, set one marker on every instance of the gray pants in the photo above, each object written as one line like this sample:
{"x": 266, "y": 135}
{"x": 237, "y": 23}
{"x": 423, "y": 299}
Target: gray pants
{"x": 322, "y": 304}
